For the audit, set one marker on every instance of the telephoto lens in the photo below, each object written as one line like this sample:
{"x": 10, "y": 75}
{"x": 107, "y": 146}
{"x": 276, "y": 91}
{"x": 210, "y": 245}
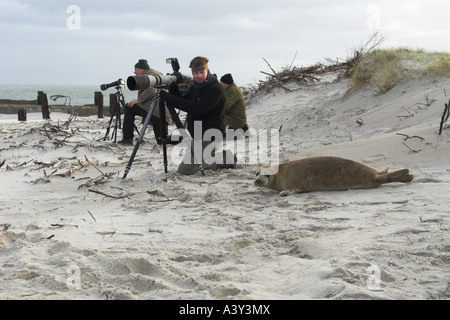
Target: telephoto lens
{"x": 149, "y": 81}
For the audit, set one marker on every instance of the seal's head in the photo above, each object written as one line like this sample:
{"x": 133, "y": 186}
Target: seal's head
{"x": 261, "y": 180}
{"x": 265, "y": 175}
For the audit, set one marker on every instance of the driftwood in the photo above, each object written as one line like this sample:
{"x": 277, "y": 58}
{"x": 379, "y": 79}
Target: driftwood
{"x": 52, "y": 131}
{"x": 291, "y": 74}
{"x": 58, "y": 225}
{"x": 407, "y": 137}
{"x": 45, "y": 165}
{"x": 108, "y": 195}
{"x": 100, "y": 179}
{"x": 107, "y": 233}
{"x": 300, "y": 75}
{"x": 97, "y": 180}
{"x": 445, "y": 116}
{"x": 92, "y": 216}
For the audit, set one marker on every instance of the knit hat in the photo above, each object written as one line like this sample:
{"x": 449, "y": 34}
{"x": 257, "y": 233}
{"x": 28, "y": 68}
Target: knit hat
{"x": 142, "y": 64}
{"x": 227, "y": 78}
{"x": 199, "y": 63}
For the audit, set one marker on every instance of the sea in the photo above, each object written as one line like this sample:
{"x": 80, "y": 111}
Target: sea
{"x": 70, "y": 95}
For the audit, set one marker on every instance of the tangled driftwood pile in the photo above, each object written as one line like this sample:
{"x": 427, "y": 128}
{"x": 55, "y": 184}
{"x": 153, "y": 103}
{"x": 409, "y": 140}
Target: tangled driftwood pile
{"x": 306, "y": 75}
{"x": 55, "y": 136}
{"x": 52, "y": 131}
{"x": 300, "y": 75}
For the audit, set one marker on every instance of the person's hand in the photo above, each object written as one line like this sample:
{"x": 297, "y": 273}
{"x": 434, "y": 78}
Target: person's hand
{"x": 173, "y": 88}
{"x": 163, "y": 94}
{"x": 179, "y": 77}
{"x": 132, "y": 103}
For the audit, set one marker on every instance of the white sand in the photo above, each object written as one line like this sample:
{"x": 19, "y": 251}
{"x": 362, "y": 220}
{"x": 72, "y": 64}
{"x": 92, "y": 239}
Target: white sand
{"x": 167, "y": 236}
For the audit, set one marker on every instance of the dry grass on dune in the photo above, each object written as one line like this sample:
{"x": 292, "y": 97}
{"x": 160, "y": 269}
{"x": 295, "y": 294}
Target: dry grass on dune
{"x": 384, "y": 68}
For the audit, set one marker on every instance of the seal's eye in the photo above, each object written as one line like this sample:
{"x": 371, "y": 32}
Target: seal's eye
{"x": 257, "y": 173}
{"x": 267, "y": 176}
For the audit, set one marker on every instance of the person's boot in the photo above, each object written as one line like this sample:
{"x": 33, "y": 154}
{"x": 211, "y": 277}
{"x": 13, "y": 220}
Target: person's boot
{"x": 174, "y": 140}
{"x": 128, "y": 142}
{"x": 229, "y": 160}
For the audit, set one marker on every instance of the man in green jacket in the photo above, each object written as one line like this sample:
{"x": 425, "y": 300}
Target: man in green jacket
{"x": 235, "y": 109}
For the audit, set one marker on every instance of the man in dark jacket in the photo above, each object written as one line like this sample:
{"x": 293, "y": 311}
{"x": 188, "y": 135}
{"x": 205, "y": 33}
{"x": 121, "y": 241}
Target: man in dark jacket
{"x": 204, "y": 103}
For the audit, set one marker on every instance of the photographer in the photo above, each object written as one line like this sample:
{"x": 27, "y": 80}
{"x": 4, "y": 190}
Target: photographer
{"x": 235, "y": 109}
{"x": 140, "y": 107}
{"x": 204, "y": 102}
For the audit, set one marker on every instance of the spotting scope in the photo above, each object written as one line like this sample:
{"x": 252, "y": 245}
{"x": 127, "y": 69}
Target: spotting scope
{"x": 112, "y": 84}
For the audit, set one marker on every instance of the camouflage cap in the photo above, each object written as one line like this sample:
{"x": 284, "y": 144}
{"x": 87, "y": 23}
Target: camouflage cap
{"x": 199, "y": 63}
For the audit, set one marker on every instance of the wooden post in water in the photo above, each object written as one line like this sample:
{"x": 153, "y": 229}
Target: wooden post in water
{"x": 99, "y": 103}
{"x": 42, "y": 100}
{"x": 22, "y": 114}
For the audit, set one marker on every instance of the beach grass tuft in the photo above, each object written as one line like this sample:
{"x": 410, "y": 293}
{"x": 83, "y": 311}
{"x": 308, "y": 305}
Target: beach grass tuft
{"x": 385, "y": 68}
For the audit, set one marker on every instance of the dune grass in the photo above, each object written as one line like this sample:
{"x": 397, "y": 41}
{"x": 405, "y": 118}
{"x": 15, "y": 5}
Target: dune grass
{"x": 384, "y": 68}
{"x": 368, "y": 65}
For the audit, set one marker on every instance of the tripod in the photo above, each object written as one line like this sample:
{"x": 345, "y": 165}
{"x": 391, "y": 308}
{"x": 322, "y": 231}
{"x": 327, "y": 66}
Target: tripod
{"x": 162, "y": 115}
{"x": 116, "y": 112}
{"x": 119, "y": 101}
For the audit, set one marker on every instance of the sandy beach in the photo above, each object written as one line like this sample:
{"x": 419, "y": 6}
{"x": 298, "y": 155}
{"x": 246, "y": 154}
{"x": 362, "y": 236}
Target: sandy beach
{"x": 74, "y": 229}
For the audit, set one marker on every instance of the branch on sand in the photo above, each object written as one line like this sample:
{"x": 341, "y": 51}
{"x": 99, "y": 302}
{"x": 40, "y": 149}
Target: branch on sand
{"x": 407, "y": 137}
{"x": 445, "y": 116}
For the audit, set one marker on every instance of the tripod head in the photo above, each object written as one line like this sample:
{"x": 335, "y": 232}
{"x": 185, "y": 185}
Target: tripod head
{"x": 119, "y": 91}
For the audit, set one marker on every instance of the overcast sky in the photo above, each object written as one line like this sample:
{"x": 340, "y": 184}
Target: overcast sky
{"x": 99, "y": 41}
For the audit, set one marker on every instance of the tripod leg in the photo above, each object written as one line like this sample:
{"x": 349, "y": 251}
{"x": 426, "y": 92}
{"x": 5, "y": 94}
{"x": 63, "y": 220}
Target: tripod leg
{"x": 114, "y": 113}
{"x": 163, "y": 125}
{"x": 179, "y": 125}
{"x": 136, "y": 129}
{"x": 119, "y": 100}
{"x": 122, "y": 102}
{"x": 108, "y": 128}
{"x": 141, "y": 135}
{"x": 117, "y": 113}
{"x": 175, "y": 117}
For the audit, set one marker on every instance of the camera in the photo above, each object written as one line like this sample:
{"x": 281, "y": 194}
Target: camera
{"x": 154, "y": 81}
{"x": 112, "y": 84}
